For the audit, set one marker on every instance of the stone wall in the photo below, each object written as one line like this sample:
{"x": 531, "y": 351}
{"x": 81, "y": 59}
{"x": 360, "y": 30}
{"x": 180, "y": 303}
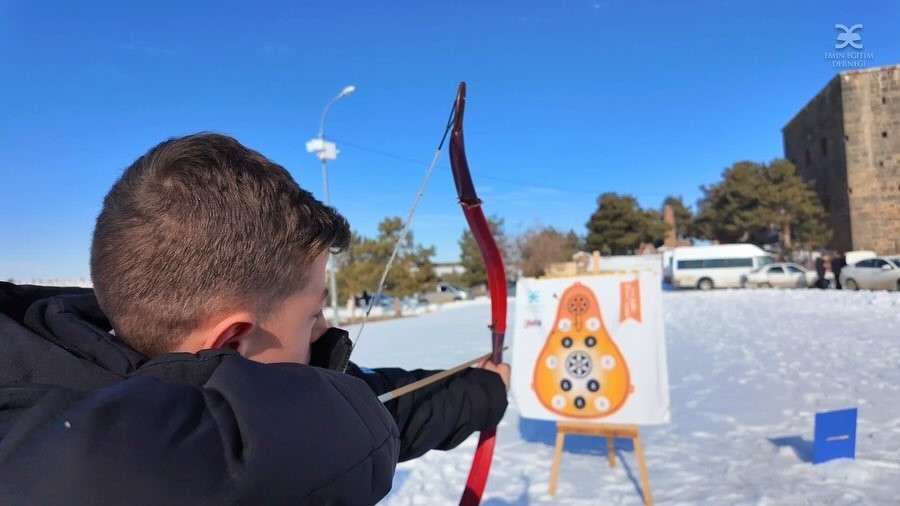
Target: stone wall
{"x": 871, "y": 104}
{"x": 847, "y": 140}
{"x": 814, "y": 143}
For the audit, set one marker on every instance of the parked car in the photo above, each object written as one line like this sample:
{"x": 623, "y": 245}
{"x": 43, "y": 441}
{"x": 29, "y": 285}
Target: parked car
{"x": 443, "y": 292}
{"x": 879, "y": 273}
{"x": 780, "y": 275}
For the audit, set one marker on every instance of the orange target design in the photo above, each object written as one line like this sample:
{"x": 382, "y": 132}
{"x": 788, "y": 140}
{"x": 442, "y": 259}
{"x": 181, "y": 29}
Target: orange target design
{"x": 580, "y": 371}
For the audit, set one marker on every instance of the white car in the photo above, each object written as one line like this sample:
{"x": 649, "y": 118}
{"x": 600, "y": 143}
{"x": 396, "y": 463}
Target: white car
{"x": 879, "y": 273}
{"x": 443, "y": 292}
{"x": 780, "y": 275}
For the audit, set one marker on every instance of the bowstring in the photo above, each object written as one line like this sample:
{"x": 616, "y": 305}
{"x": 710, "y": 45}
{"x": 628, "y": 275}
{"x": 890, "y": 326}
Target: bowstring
{"x": 398, "y": 244}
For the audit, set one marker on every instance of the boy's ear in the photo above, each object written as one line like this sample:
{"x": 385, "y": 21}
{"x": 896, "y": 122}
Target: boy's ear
{"x": 229, "y": 332}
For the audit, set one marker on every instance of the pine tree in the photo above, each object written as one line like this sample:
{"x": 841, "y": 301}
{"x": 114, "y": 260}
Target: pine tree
{"x": 619, "y": 226}
{"x": 729, "y": 209}
{"x": 360, "y": 268}
{"x": 470, "y": 255}
{"x": 755, "y": 202}
{"x": 792, "y": 204}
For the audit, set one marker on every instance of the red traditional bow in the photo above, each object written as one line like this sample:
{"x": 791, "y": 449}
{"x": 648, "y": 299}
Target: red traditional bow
{"x": 496, "y": 275}
{"x": 493, "y": 263}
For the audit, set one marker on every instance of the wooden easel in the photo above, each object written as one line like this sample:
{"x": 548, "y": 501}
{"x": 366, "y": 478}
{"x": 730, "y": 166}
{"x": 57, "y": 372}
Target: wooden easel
{"x": 608, "y": 431}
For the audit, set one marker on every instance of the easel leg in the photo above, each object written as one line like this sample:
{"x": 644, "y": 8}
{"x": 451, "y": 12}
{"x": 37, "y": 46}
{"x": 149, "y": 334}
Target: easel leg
{"x": 557, "y": 455}
{"x": 642, "y": 469}
{"x": 610, "y": 452}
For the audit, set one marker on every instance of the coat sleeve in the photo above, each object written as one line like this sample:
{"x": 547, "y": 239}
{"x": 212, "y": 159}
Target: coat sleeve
{"x": 442, "y": 415}
{"x": 253, "y": 434}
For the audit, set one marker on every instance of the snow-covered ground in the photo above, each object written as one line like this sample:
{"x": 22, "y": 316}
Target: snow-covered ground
{"x": 748, "y": 370}
{"x": 80, "y": 282}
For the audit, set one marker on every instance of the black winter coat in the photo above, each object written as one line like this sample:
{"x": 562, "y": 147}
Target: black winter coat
{"x": 85, "y": 419}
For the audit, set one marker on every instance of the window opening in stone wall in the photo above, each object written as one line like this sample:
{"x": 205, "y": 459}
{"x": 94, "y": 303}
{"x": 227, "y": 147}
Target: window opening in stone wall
{"x": 884, "y": 135}
{"x": 824, "y": 146}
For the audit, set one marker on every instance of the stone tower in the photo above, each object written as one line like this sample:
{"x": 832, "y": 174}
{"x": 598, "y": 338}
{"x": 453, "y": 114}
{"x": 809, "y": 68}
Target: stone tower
{"x": 671, "y": 239}
{"x": 847, "y": 140}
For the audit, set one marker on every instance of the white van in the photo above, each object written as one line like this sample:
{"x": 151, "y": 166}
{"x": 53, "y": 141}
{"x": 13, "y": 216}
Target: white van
{"x": 718, "y": 266}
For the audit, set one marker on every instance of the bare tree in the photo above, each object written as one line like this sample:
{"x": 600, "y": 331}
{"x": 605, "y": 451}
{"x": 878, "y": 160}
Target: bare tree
{"x": 540, "y": 246}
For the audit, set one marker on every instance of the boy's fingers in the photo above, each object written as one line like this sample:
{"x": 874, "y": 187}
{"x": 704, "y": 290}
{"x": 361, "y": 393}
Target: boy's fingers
{"x": 501, "y": 369}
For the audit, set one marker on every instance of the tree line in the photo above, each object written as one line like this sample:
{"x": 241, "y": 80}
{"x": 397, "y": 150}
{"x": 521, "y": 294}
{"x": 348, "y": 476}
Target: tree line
{"x": 761, "y": 203}
{"x": 413, "y": 270}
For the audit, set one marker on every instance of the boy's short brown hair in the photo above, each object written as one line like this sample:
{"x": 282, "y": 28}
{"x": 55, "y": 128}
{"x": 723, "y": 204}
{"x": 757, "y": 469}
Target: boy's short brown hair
{"x": 198, "y": 226}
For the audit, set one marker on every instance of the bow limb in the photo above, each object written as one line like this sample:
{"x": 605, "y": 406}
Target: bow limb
{"x": 496, "y": 277}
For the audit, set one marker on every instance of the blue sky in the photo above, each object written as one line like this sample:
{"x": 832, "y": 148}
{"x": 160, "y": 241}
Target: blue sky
{"x": 567, "y": 100}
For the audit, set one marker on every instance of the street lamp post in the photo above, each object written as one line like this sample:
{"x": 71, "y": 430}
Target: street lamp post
{"x": 324, "y": 151}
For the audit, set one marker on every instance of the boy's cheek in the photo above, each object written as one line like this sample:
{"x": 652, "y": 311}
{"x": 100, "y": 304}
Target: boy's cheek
{"x": 318, "y": 330}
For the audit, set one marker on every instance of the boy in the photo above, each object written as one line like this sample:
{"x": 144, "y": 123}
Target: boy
{"x": 181, "y": 378}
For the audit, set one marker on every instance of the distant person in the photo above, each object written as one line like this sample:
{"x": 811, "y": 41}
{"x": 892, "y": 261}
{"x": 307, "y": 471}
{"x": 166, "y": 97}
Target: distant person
{"x": 182, "y": 377}
{"x": 808, "y": 262}
{"x": 821, "y": 282}
{"x": 838, "y": 262}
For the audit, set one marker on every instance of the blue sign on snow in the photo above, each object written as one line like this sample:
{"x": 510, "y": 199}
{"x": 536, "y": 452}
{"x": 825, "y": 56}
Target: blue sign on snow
{"x": 835, "y": 435}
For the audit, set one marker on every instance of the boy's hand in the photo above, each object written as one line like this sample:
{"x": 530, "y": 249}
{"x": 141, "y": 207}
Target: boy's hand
{"x": 502, "y": 369}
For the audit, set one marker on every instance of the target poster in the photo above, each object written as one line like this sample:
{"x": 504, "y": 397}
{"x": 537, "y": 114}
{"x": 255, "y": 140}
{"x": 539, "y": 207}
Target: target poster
{"x": 591, "y": 348}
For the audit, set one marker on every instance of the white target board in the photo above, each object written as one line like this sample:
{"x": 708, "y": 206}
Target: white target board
{"x": 591, "y": 348}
